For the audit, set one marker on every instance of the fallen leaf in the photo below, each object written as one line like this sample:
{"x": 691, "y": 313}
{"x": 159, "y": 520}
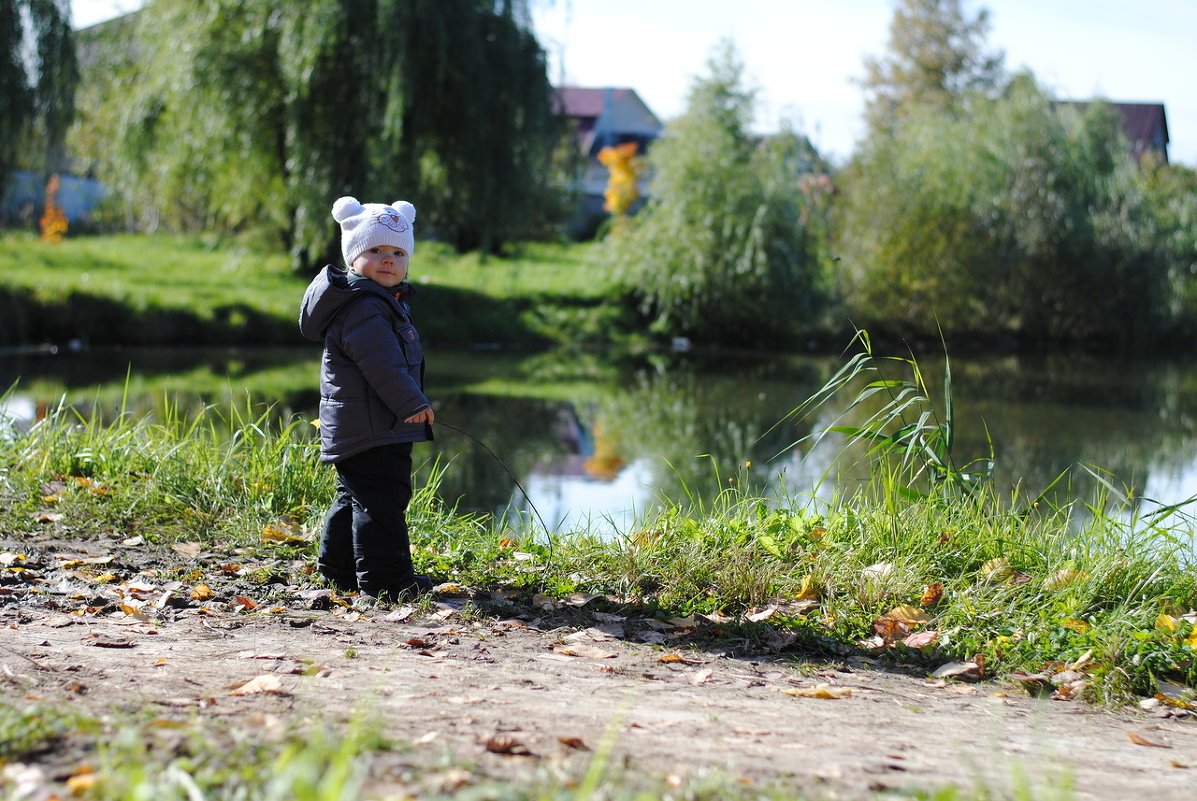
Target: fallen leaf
{"x": 809, "y": 591}
{"x": 1139, "y": 740}
{"x": 575, "y": 743}
{"x": 877, "y": 571}
{"x": 584, "y": 651}
{"x": 202, "y": 592}
{"x": 908, "y": 614}
{"x": 82, "y": 783}
{"x": 829, "y": 691}
{"x": 966, "y": 669}
{"x": 701, "y": 677}
{"x": 287, "y": 532}
{"x": 188, "y": 549}
{"x": 265, "y": 683}
{"x": 997, "y": 569}
{"x": 921, "y": 640}
{"x": 424, "y": 739}
{"x": 890, "y": 629}
{"x": 579, "y": 599}
{"x": 680, "y": 658}
{"x": 931, "y": 595}
{"x": 757, "y": 615}
{"x": 47, "y": 517}
{"x": 590, "y": 635}
{"x": 133, "y": 611}
{"x": 248, "y": 603}
{"x": 399, "y": 615}
{"x": 500, "y": 744}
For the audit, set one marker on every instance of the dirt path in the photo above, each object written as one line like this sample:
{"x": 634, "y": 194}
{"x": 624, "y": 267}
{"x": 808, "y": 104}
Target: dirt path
{"x": 512, "y": 689}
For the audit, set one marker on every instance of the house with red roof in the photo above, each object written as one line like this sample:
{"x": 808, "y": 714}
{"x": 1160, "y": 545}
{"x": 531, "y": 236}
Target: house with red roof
{"x": 1145, "y": 126}
{"x": 603, "y": 117}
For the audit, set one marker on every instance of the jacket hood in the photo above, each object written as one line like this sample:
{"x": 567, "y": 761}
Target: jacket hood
{"x": 329, "y": 291}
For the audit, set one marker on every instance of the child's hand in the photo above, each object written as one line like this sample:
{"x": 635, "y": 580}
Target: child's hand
{"x": 423, "y": 416}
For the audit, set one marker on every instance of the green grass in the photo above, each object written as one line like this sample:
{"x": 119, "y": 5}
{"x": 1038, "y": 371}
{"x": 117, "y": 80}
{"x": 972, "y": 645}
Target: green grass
{"x": 1024, "y": 588}
{"x": 174, "y": 290}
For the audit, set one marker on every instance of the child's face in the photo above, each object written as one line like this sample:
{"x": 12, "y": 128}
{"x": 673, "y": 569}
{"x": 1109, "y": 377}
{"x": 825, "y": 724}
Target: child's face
{"x": 384, "y": 264}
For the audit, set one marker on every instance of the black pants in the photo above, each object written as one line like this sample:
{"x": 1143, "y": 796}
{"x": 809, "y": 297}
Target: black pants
{"x": 365, "y": 543}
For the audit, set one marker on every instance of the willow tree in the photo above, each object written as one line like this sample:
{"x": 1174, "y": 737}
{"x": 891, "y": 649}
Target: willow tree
{"x": 250, "y": 114}
{"x": 727, "y": 247}
{"x": 37, "y": 83}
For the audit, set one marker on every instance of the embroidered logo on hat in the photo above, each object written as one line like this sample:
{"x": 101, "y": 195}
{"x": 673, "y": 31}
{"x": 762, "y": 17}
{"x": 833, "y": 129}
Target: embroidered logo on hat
{"x": 393, "y": 221}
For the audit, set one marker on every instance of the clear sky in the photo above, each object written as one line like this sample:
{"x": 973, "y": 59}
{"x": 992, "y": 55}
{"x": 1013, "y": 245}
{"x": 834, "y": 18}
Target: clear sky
{"x": 805, "y": 57}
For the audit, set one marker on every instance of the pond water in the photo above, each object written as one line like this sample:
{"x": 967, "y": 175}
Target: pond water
{"x": 597, "y": 439}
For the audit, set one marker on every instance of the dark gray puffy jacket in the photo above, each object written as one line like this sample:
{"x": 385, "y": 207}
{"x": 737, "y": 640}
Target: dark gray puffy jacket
{"x": 372, "y": 373}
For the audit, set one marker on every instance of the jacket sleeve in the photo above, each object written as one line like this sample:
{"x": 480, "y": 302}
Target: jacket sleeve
{"x": 369, "y": 340}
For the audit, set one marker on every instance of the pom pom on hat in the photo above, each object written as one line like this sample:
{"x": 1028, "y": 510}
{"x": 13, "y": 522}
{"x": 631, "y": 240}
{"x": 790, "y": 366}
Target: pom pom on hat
{"x": 368, "y": 225}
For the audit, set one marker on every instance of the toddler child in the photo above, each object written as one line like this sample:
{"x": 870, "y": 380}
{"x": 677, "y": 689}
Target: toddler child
{"x": 372, "y": 402}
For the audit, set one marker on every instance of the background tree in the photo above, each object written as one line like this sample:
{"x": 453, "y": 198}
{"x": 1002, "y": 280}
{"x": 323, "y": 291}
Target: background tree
{"x": 1019, "y": 220}
{"x": 254, "y": 115}
{"x": 37, "y": 83}
{"x": 936, "y": 57}
{"x": 727, "y": 247}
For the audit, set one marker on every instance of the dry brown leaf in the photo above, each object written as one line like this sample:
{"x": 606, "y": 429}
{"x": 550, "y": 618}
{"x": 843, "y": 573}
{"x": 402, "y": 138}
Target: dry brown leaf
{"x": 680, "y": 658}
{"x": 47, "y": 517}
{"x": 921, "y": 639}
{"x": 997, "y": 569}
{"x": 584, "y": 651}
{"x": 188, "y": 549}
{"x": 575, "y": 743}
{"x": 966, "y": 669}
{"x": 889, "y": 629}
{"x": 579, "y": 599}
{"x": 249, "y": 603}
{"x": 283, "y": 533}
{"x": 757, "y": 615}
{"x": 829, "y": 691}
{"x": 82, "y": 783}
{"x": 201, "y": 592}
{"x": 701, "y": 677}
{"x": 931, "y": 595}
{"x": 1140, "y": 740}
{"x": 502, "y": 744}
{"x": 133, "y": 611}
{"x": 265, "y": 683}
{"x": 809, "y": 591}
{"x": 908, "y": 614}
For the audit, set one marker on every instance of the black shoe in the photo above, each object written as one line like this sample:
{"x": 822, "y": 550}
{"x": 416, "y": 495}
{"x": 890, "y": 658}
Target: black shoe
{"x": 342, "y": 583}
{"x": 417, "y": 586}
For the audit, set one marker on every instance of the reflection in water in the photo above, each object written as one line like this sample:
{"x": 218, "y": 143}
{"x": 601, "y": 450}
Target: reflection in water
{"x": 599, "y": 442}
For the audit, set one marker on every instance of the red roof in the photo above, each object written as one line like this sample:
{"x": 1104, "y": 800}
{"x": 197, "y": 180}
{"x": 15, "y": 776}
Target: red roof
{"x": 1145, "y": 125}
{"x": 581, "y": 102}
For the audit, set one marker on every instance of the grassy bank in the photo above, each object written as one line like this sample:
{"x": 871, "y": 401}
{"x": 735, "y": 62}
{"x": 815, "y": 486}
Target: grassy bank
{"x": 170, "y": 290}
{"x": 1095, "y": 601}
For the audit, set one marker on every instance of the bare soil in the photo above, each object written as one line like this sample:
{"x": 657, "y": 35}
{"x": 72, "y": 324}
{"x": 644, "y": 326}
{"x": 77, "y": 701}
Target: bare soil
{"x": 511, "y": 688}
